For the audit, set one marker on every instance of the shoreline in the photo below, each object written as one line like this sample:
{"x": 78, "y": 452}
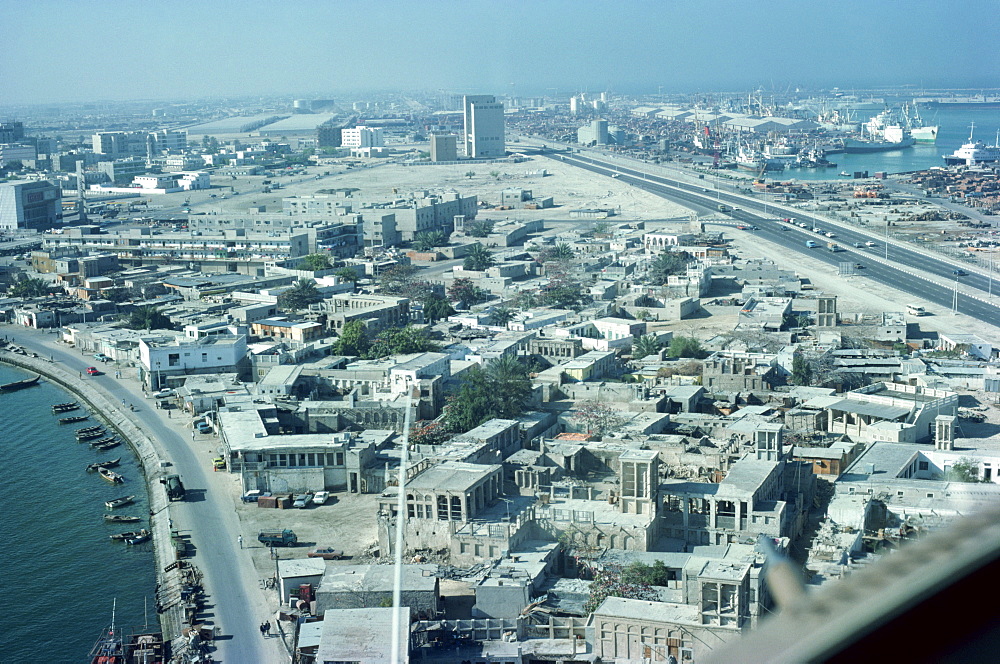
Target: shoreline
{"x": 169, "y": 579}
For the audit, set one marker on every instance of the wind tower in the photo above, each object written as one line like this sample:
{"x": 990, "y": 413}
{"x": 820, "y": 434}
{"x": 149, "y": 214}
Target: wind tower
{"x": 81, "y": 206}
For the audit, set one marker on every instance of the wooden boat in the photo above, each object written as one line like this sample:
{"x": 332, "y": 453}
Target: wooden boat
{"x": 90, "y": 435}
{"x": 89, "y": 429}
{"x": 74, "y": 418}
{"x": 129, "y": 535}
{"x": 103, "y": 464}
{"x": 111, "y": 476}
{"x": 107, "y": 446}
{"x": 64, "y": 407}
{"x": 143, "y": 536}
{"x": 121, "y": 518}
{"x": 102, "y": 441}
{"x": 118, "y": 502}
{"x": 20, "y": 384}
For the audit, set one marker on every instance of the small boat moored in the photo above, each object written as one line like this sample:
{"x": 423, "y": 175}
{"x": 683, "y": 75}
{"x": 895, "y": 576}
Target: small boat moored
{"x": 143, "y": 536}
{"x": 121, "y": 518}
{"x": 64, "y": 407}
{"x": 73, "y": 418}
{"x": 111, "y": 476}
{"x": 129, "y": 535}
{"x": 119, "y": 502}
{"x": 111, "y": 463}
{"x": 89, "y": 435}
{"x": 20, "y": 384}
{"x": 107, "y": 446}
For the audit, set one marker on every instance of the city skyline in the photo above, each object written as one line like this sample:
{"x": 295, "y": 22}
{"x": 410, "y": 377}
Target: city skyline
{"x": 518, "y": 49}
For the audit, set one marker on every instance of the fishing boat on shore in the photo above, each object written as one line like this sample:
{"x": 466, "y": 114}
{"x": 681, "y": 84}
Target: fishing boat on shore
{"x": 119, "y": 502}
{"x": 129, "y": 535}
{"x": 64, "y": 407}
{"x": 143, "y": 536}
{"x": 143, "y": 645}
{"x": 20, "y": 384}
{"x": 111, "y": 444}
{"x": 121, "y": 518}
{"x": 74, "y": 418}
{"x": 110, "y": 648}
{"x": 111, "y": 463}
{"x": 111, "y": 476}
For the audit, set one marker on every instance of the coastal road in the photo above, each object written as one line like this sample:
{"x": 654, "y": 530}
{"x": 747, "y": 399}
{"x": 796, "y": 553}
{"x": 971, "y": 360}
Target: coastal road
{"x": 236, "y": 605}
{"x": 911, "y": 271}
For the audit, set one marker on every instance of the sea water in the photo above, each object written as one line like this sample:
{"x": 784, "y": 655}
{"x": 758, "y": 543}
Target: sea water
{"x": 60, "y": 574}
{"x": 953, "y": 131}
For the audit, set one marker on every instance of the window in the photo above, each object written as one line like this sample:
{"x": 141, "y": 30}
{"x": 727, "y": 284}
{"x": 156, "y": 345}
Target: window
{"x": 923, "y": 465}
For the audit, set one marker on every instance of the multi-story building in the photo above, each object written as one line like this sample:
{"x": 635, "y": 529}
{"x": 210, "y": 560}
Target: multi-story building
{"x": 362, "y": 137}
{"x": 16, "y": 152}
{"x": 11, "y": 132}
{"x": 444, "y": 147}
{"x": 120, "y": 144}
{"x": 123, "y": 171}
{"x": 163, "y": 356}
{"x": 484, "y": 127}
{"x": 29, "y": 205}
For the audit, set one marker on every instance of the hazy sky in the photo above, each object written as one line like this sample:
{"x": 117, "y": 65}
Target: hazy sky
{"x": 74, "y": 50}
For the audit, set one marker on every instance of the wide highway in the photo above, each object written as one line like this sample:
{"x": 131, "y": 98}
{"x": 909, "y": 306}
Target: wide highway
{"x": 913, "y": 272}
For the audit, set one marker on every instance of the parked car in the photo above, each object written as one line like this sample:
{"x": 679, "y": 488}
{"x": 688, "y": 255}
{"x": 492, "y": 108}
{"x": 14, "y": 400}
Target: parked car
{"x": 101, "y": 357}
{"x": 93, "y": 371}
{"x": 252, "y": 495}
{"x": 327, "y": 553}
{"x": 320, "y": 497}
{"x": 163, "y": 394}
{"x": 219, "y": 463}
{"x": 301, "y": 501}
{"x": 203, "y": 427}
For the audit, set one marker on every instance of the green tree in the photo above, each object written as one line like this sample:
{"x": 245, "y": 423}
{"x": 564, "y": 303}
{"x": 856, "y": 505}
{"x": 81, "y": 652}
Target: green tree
{"x": 597, "y": 417}
{"x": 399, "y": 340}
{"x": 401, "y": 281}
{"x": 346, "y": 274}
{"x": 302, "y": 293}
{"x": 963, "y": 470}
{"x": 436, "y": 308}
{"x": 147, "y": 318}
{"x": 501, "y": 316}
{"x": 611, "y": 582}
{"x": 560, "y": 252}
{"x": 601, "y": 227}
{"x": 117, "y": 295}
{"x": 802, "y": 372}
{"x": 315, "y": 262}
{"x": 685, "y": 347}
{"x": 470, "y": 174}
{"x": 478, "y": 259}
{"x": 464, "y": 292}
{"x": 427, "y": 240}
{"x": 564, "y": 295}
{"x": 479, "y": 227}
{"x": 645, "y": 345}
{"x": 29, "y": 287}
{"x": 667, "y": 264}
{"x": 643, "y": 314}
{"x": 499, "y": 390}
{"x": 353, "y": 339}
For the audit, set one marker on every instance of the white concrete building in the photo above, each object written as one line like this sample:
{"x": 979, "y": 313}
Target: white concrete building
{"x": 362, "y": 137}
{"x": 484, "y": 127}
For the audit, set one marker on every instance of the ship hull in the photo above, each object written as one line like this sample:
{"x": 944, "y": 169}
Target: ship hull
{"x": 853, "y": 146}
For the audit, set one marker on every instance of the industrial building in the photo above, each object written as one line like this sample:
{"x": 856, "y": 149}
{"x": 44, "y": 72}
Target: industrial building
{"x": 29, "y": 205}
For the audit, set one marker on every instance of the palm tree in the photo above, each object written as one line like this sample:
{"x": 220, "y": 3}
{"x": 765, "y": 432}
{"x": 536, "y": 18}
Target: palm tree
{"x": 302, "y": 293}
{"x": 501, "y": 316}
{"x": 645, "y": 345}
{"x": 478, "y": 259}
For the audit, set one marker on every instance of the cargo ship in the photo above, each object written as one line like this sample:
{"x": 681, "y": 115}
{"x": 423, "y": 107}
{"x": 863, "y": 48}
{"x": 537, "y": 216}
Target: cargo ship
{"x": 971, "y": 101}
{"x": 879, "y": 136}
{"x": 974, "y": 152}
{"x": 920, "y": 132}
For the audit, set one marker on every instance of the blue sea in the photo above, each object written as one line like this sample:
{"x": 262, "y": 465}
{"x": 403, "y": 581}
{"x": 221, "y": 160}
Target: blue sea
{"x": 60, "y": 572}
{"x": 953, "y": 131}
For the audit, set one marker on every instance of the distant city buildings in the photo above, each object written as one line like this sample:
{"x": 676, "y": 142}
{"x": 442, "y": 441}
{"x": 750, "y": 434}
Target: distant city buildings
{"x": 484, "y": 127}
{"x": 122, "y": 144}
{"x": 362, "y": 137}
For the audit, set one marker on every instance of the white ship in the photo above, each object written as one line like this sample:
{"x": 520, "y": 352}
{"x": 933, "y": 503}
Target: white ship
{"x": 920, "y": 132}
{"x": 974, "y": 152}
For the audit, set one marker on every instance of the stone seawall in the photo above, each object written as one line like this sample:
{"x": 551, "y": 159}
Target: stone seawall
{"x": 151, "y": 459}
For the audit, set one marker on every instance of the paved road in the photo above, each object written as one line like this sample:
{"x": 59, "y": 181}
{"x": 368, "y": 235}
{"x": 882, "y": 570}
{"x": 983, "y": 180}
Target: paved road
{"x": 925, "y": 276}
{"x": 235, "y": 602}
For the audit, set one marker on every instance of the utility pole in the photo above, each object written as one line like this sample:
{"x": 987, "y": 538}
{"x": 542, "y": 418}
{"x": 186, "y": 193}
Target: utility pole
{"x": 954, "y": 300}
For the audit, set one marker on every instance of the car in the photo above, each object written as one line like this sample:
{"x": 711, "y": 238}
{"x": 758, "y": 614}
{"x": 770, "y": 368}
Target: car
{"x": 101, "y": 357}
{"x": 203, "y": 427}
{"x": 741, "y": 227}
{"x": 830, "y": 234}
{"x": 301, "y": 501}
{"x": 326, "y": 553}
{"x": 858, "y": 245}
{"x": 253, "y": 495}
{"x": 219, "y": 463}
{"x": 859, "y": 266}
{"x": 755, "y": 228}
{"x": 93, "y": 371}
{"x": 960, "y": 273}
{"x": 869, "y": 243}
{"x": 163, "y": 394}
{"x": 320, "y": 497}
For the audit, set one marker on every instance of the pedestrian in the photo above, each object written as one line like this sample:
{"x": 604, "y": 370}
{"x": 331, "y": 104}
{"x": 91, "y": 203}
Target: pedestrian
{"x": 123, "y": 402}
{"x": 267, "y": 628}
{"x": 239, "y": 539}
{"x": 261, "y": 628}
